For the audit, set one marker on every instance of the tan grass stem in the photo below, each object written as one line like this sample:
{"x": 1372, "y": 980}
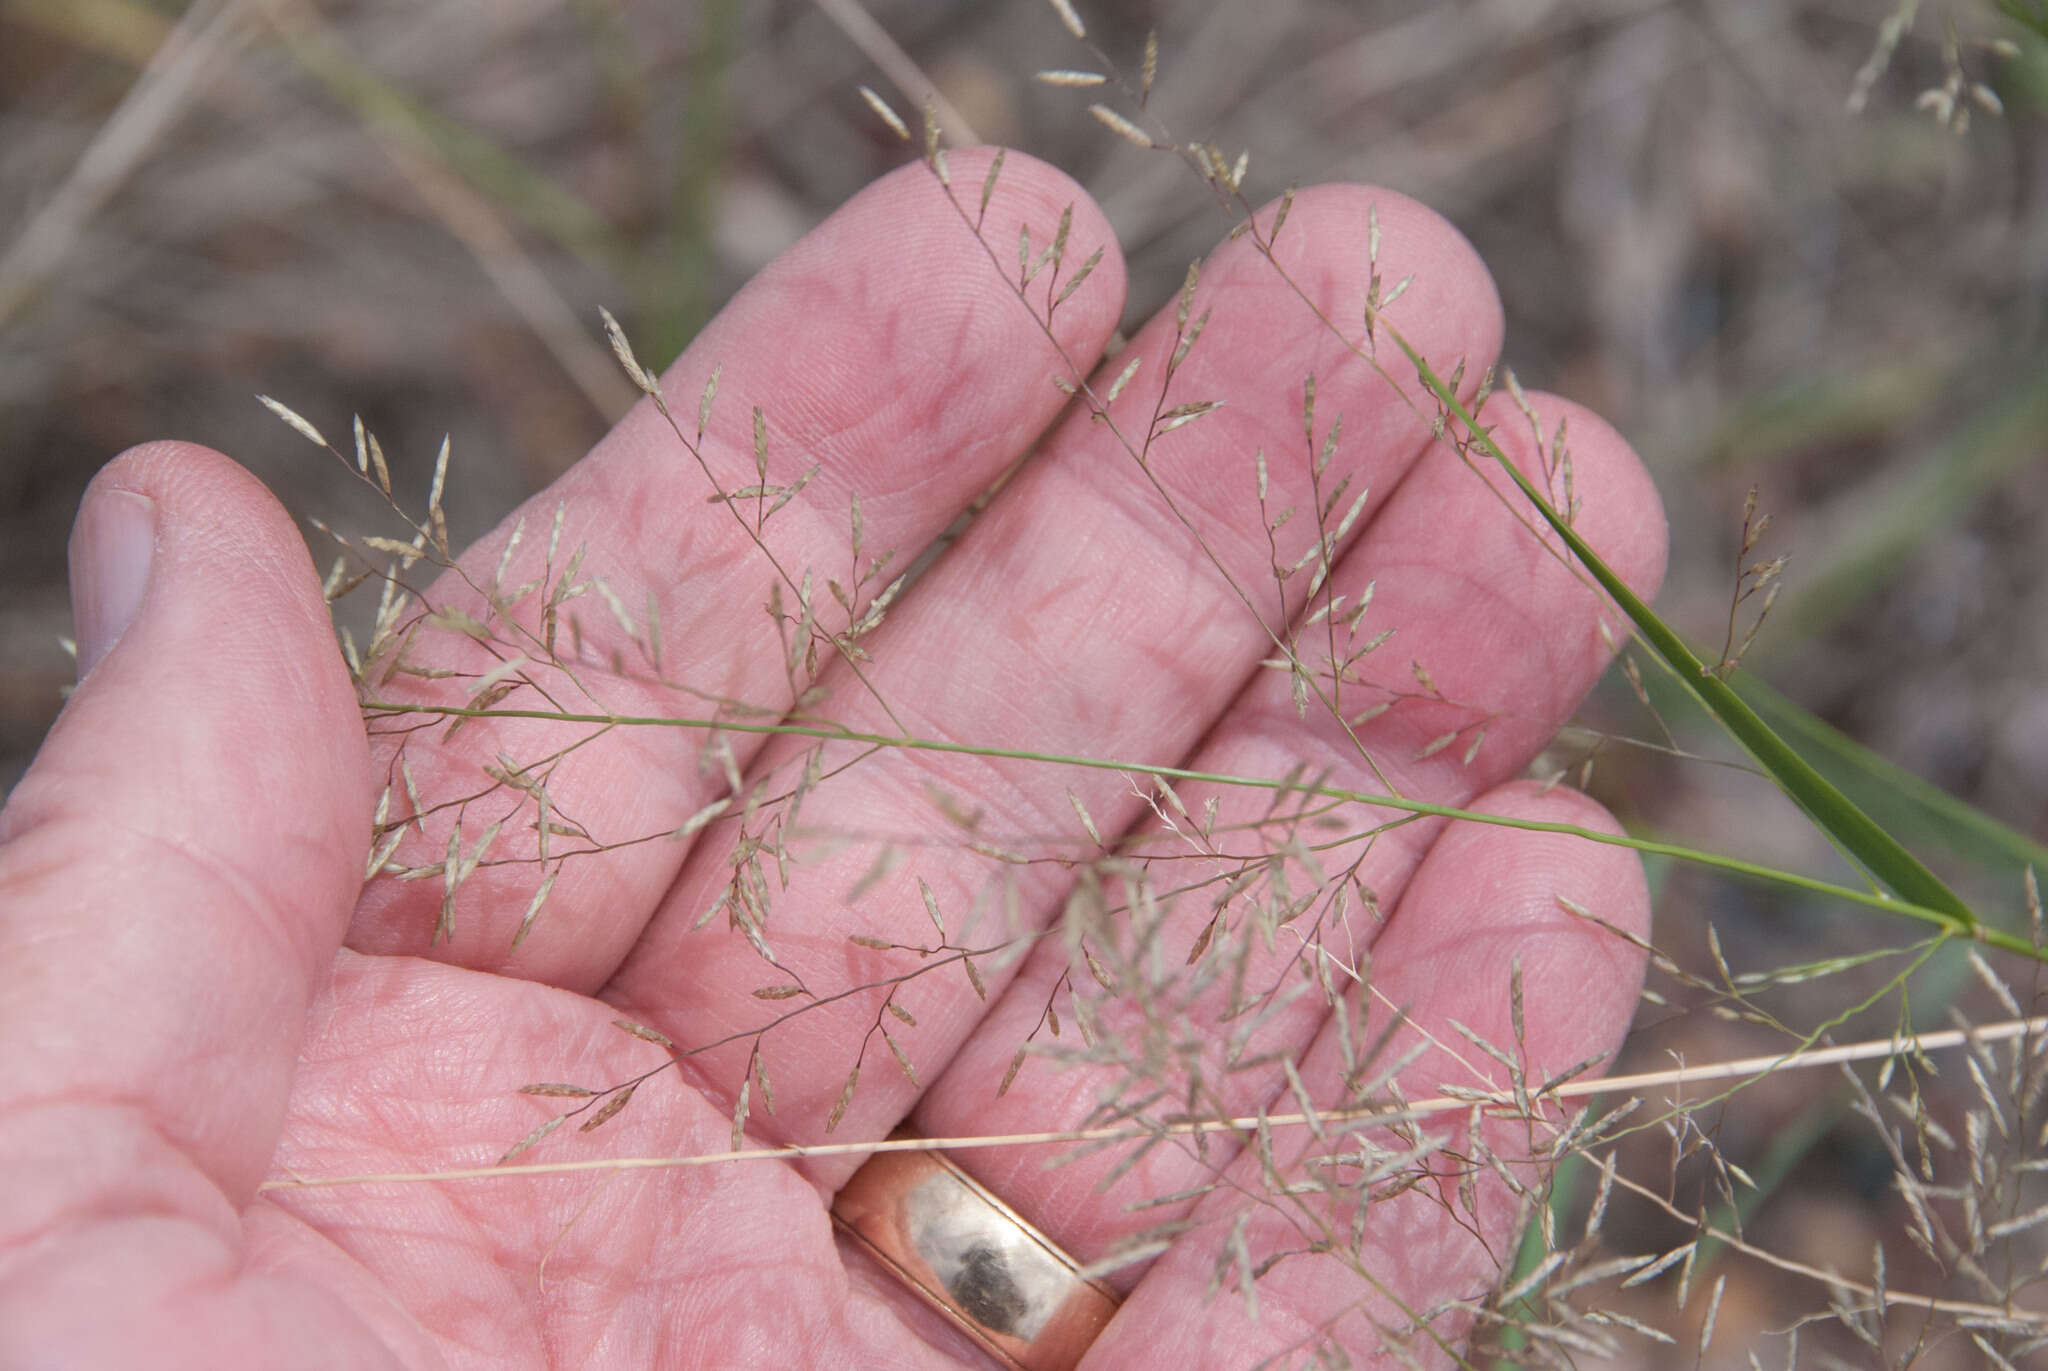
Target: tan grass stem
{"x": 1869, "y": 1050}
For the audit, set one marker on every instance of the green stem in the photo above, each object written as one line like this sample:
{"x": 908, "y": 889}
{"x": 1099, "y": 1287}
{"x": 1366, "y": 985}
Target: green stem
{"x": 1949, "y": 921}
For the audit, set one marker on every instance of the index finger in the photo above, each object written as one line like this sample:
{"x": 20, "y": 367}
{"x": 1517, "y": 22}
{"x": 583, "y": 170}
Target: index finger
{"x": 882, "y": 360}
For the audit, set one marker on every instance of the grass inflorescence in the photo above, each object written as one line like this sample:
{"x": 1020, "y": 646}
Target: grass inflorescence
{"x": 1274, "y": 865}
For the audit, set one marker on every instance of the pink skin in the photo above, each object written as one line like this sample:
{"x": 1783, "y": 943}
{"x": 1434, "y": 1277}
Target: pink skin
{"x": 184, "y": 1020}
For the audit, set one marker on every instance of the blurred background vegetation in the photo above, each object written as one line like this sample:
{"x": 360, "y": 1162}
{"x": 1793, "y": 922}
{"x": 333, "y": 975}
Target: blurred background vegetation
{"x": 413, "y": 211}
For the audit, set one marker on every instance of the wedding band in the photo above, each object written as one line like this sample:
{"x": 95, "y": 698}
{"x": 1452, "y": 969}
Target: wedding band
{"x": 974, "y": 1259}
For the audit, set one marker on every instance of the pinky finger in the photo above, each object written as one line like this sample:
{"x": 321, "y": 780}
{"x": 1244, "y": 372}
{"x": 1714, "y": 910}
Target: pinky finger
{"x": 1382, "y": 1241}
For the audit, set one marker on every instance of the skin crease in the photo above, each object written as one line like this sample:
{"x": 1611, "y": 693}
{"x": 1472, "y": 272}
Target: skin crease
{"x": 200, "y": 994}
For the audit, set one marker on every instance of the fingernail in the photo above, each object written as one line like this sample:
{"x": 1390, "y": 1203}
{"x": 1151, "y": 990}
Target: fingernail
{"x": 112, "y": 547}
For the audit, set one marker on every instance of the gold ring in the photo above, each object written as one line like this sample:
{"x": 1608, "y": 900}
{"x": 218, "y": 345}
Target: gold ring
{"x": 974, "y": 1259}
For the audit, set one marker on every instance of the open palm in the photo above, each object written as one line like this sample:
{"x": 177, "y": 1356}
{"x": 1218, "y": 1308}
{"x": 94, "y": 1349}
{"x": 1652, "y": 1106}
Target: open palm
{"x": 198, "y": 992}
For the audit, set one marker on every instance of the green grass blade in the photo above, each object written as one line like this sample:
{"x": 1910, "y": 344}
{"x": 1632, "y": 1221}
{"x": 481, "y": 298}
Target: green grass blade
{"x": 1981, "y": 856}
{"x": 1893, "y": 795}
{"x": 1855, "y": 832}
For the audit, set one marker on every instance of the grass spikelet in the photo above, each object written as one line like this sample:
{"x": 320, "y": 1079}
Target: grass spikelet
{"x": 535, "y": 1136}
{"x": 1122, "y": 127}
{"x": 1065, "y": 10}
{"x": 1062, "y": 77}
{"x": 988, "y": 186}
{"x": 291, "y": 416}
{"x": 886, "y": 114}
{"x": 902, "y": 1061}
{"x": 609, "y": 1110}
{"x": 533, "y": 908}
{"x": 623, "y": 351}
{"x": 437, "y": 520}
{"x": 642, "y": 1031}
{"x": 704, "y": 400}
{"x": 845, "y": 1098}
{"x": 739, "y": 1114}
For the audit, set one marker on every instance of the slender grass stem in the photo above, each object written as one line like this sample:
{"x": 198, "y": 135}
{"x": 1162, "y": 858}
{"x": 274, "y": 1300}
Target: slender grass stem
{"x": 1961, "y": 924}
{"x": 1370, "y": 1115}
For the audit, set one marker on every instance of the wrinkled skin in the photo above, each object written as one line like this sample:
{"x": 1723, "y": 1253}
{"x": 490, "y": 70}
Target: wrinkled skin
{"x": 197, "y": 992}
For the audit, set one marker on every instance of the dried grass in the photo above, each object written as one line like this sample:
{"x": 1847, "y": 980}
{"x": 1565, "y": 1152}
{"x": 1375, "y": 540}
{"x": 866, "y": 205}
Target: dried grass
{"x": 1689, "y": 231}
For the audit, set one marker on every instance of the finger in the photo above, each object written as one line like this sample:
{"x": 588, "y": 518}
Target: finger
{"x": 1109, "y": 605}
{"x": 1486, "y": 903}
{"x": 1508, "y": 638}
{"x": 885, "y": 361}
{"x": 176, "y": 869}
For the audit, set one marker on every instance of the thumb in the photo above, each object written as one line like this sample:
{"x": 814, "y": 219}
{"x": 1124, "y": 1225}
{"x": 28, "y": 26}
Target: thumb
{"x": 177, "y": 866}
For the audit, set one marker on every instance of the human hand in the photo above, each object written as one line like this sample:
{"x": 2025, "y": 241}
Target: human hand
{"x": 181, "y": 864}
